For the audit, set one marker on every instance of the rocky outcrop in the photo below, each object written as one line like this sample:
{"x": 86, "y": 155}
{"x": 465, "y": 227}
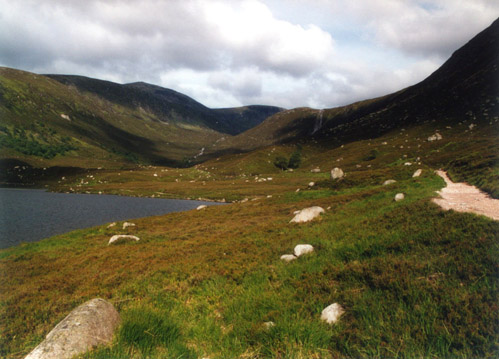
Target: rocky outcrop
{"x": 307, "y": 214}
{"x": 332, "y": 313}
{"x": 118, "y": 237}
{"x": 89, "y": 325}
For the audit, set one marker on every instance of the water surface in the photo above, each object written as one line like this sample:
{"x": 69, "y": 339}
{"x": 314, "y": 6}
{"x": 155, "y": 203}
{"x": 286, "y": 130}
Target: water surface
{"x": 28, "y": 215}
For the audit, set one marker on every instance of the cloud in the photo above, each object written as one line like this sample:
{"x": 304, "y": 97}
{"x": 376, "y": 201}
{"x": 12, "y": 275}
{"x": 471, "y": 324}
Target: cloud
{"x": 318, "y": 53}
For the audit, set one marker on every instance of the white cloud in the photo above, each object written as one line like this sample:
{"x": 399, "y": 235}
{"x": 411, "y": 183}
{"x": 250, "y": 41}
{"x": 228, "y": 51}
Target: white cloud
{"x": 319, "y": 53}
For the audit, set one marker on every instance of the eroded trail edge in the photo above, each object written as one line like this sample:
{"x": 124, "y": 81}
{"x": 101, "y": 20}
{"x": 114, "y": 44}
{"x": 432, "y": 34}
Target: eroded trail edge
{"x": 463, "y": 197}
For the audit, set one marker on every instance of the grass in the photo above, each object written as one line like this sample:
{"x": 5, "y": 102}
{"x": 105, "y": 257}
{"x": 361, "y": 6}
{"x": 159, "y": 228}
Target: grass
{"x": 414, "y": 281}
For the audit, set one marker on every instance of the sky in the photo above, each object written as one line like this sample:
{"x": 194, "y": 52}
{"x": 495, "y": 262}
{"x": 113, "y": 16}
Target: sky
{"x": 226, "y": 53}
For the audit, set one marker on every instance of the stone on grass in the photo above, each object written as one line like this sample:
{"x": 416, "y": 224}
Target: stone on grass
{"x": 307, "y": 214}
{"x": 437, "y": 136}
{"x": 399, "y": 197}
{"x": 417, "y": 173}
{"x": 337, "y": 173}
{"x": 302, "y": 249}
{"x": 269, "y": 325}
{"x": 288, "y": 257}
{"x": 315, "y": 170}
{"x": 128, "y": 224}
{"x": 118, "y": 237}
{"x": 332, "y": 313}
{"x": 311, "y": 184}
{"x": 387, "y": 182}
{"x": 111, "y": 225}
{"x": 203, "y": 206}
{"x": 89, "y": 325}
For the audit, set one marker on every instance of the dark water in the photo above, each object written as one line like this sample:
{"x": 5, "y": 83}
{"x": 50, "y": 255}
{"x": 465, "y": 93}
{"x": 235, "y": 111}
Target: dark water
{"x": 28, "y": 215}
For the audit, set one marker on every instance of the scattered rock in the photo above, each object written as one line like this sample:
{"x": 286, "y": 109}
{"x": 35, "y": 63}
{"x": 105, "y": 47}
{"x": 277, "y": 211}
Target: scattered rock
{"x": 269, "y": 325}
{"x": 112, "y": 225}
{"x": 315, "y": 170}
{"x": 417, "y": 173}
{"x": 203, "y": 206}
{"x": 302, "y": 249}
{"x": 332, "y": 313}
{"x": 408, "y": 164}
{"x": 311, "y": 184}
{"x": 472, "y": 126}
{"x": 307, "y": 214}
{"x": 288, "y": 257}
{"x": 117, "y": 237}
{"x": 387, "y": 182}
{"x": 128, "y": 224}
{"x": 399, "y": 197}
{"x": 337, "y": 173}
{"x": 244, "y": 200}
{"x": 437, "y": 136}
{"x": 66, "y": 117}
{"x": 89, "y": 325}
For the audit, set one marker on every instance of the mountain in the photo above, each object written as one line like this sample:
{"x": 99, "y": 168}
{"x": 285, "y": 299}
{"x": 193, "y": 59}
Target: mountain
{"x": 62, "y": 120}
{"x": 171, "y": 106}
{"x": 463, "y": 89}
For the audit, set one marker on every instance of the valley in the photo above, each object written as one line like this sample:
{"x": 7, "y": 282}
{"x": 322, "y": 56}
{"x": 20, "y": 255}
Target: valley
{"x": 413, "y": 280}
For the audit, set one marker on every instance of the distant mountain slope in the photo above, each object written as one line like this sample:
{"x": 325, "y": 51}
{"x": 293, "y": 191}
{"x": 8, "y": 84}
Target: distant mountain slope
{"x": 171, "y": 106}
{"x": 464, "y": 88}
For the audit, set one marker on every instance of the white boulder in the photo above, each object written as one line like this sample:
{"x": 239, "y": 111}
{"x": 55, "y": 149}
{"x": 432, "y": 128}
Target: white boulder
{"x": 337, "y": 173}
{"x": 288, "y": 257}
{"x": 117, "y": 237}
{"x": 437, "y": 136}
{"x": 399, "y": 197}
{"x": 387, "y": 182}
{"x": 332, "y": 313}
{"x": 315, "y": 170}
{"x": 203, "y": 206}
{"x": 128, "y": 224}
{"x": 112, "y": 225}
{"x": 302, "y": 249}
{"x": 417, "y": 173}
{"x": 307, "y": 214}
{"x": 311, "y": 184}
{"x": 91, "y": 324}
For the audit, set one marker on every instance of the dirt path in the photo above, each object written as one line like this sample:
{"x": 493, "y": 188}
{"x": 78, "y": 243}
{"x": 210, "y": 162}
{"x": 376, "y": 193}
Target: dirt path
{"x": 462, "y": 197}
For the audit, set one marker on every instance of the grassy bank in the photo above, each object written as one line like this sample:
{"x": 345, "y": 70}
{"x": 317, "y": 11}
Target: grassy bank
{"x": 414, "y": 281}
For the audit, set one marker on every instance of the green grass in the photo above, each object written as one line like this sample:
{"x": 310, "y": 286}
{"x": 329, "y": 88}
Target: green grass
{"x": 415, "y": 281}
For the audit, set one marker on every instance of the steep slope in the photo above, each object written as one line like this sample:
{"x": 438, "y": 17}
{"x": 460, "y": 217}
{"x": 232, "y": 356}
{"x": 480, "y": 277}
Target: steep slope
{"x": 48, "y": 123}
{"x": 463, "y": 89}
{"x": 171, "y": 106}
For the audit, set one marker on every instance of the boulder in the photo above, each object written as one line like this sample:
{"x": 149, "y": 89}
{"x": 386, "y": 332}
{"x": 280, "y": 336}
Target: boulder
{"x": 387, "y": 182}
{"x": 89, "y": 325}
{"x": 408, "y": 164}
{"x": 269, "y": 325}
{"x": 315, "y": 170}
{"x": 128, "y": 224}
{"x": 288, "y": 257}
{"x": 417, "y": 173}
{"x": 111, "y": 225}
{"x": 307, "y": 214}
{"x": 337, "y": 173}
{"x": 117, "y": 237}
{"x": 399, "y": 197}
{"x": 302, "y": 249}
{"x": 437, "y": 136}
{"x": 203, "y": 206}
{"x": 332, "y": 313}
{"x": 311, "y": 184}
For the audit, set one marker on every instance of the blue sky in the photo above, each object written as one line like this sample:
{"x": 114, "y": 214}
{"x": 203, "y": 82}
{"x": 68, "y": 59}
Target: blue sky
{"x": 316, "y": 53}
